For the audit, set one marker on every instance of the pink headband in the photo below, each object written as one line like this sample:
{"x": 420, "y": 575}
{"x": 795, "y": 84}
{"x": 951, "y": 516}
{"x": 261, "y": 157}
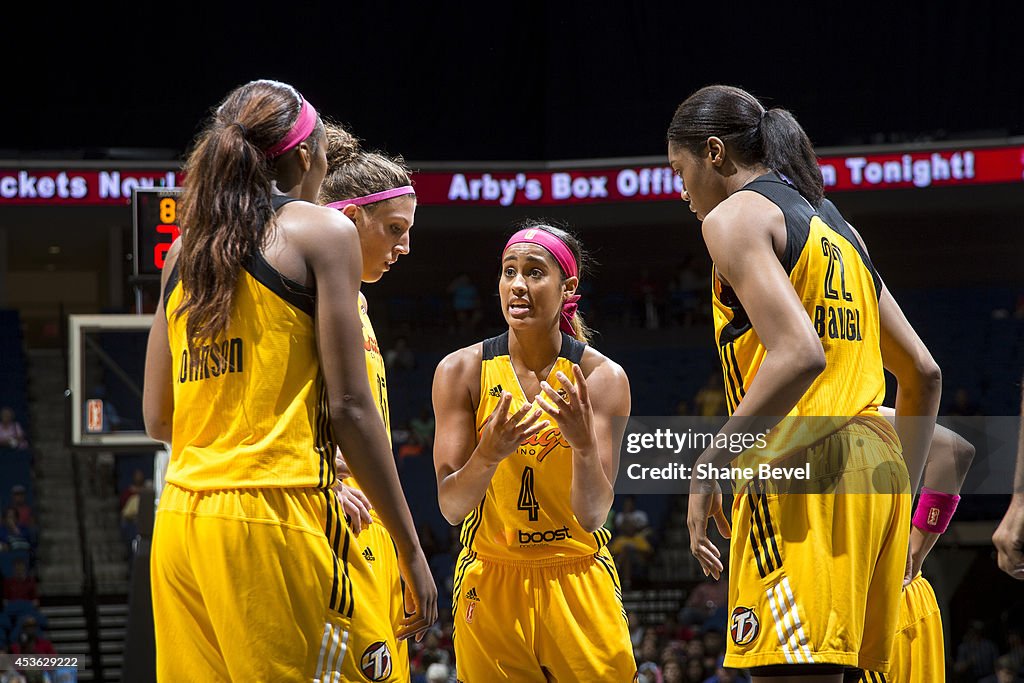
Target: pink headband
{"x": 300, "y": 130}
{"x": 371, "y": 198}
{"x": 563, "y": 255}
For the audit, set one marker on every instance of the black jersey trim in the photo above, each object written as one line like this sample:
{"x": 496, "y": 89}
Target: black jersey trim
{"x": 495, "y": 346}
{"x": 173, "y": 278}
{"x": 295, "y": 293}
{"x": 572, "y": 349}
{"x": 795, "y": 208}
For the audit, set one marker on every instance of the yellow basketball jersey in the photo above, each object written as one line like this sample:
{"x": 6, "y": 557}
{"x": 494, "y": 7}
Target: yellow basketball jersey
{"x": 250, "y": 407}
{"x": 376, "y": 375}
{"x": 839, "y": 289}
{"x": 526, "y": 513}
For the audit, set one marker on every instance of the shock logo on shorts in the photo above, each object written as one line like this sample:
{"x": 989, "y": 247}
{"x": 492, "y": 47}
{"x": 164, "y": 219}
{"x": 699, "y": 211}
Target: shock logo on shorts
{"x": 470, "y": 608}
{"x": 745, "y": 626}
{"x": 376, "y": 661}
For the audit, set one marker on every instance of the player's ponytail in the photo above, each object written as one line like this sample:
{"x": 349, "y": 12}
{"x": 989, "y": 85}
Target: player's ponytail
{"x": 787, "y": 149}
{"x": 225, "y": 209}
{"x": 752, "y": 134}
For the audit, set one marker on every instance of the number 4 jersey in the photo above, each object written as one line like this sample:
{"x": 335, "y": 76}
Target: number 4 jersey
{"x": 839, "y": 289}
{"x": 526, "y": 513}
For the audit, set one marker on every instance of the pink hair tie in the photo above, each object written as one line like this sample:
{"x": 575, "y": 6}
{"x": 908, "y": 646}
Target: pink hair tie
{"x": 568, "y": 313}
{"x": 934, "y": 510}
{"x": 300, "y": 130}
{"x": 566, "y": 261}
{"x": 371, "y": 198}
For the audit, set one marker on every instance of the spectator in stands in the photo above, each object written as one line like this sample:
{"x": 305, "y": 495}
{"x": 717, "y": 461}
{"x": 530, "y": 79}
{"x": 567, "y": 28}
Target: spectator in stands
{"x": 724, "y": 675}
{"x": 12, "y": 434}
{"x": 465, "y": 300}
{"x": 431, "y": 651}
{"x": 694, "y": 672}
{"x": 422, "y": 427}
{"x": 647, "y": 300}
{"x": 649, "y": 672}
{"x": 400, "y": 356}
{"x": 19, "y": 501}
{"x": 636, "y": 628}
{"x": 963, "y": 404}
{"x": 30, "y": 642}
{"x": 685, "y": 291}
{"x": 21, "y": 586}
{"x": 1004, "y": 673}
{"x": 710, "y": 398}
{"x": 130, "y": 510}
{"x": 671, "y": 671}
{"x": 976, "y": 655}
{"x": 1015, "y": 649}
{"x": 438, "y": 673}
{"x": 14, "y": 536}
{"x": 134, "y": 488}
{"x": 630, "y": 544}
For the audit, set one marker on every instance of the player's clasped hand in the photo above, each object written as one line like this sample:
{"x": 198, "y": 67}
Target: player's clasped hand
{"x": 705, "y": 502}
{"x": 421, "y": 593}
{"x": 502, "y": 433}
{"x": 573, "y": 412}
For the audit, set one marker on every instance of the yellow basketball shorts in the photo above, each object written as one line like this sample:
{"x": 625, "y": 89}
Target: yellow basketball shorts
{"x": 264, "y": 585}
{"x": 918, "y": 654}
{"x": 380, "y": 553}
{"x": 555, "y": 620}
{"x": 815, "y": 578}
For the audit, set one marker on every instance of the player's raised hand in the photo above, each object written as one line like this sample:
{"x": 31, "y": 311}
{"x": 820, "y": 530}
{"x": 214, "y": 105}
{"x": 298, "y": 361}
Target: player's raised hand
{"x": 573, "y": 412}
{"x": 502, "y": 433}
{"x": 705, "y": 502}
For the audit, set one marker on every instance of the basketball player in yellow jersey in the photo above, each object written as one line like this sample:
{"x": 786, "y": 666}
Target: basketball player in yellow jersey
{"x": 375, "y": 193}
{"x": 254, "y": 368}
{"x": 804, "y": 326}
{"x": 918, "y": 652}
{"x": 526, "y": 452}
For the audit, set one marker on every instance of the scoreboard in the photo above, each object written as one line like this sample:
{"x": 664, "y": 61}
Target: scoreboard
{"x": 154, "y": 227}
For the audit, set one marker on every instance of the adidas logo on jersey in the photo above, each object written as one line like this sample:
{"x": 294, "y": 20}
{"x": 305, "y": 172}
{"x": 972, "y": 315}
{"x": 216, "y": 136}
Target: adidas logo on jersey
{"x": 471, "y": 594}
{"x": 368, "y": 554}
{"x": 495, "y": 391}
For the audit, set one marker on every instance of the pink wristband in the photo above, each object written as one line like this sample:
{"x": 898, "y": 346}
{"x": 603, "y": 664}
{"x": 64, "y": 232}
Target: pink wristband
{"x": 934, "y": 510}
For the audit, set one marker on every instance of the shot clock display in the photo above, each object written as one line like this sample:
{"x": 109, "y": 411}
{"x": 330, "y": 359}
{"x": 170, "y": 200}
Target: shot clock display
{"x": 155, "y": 226}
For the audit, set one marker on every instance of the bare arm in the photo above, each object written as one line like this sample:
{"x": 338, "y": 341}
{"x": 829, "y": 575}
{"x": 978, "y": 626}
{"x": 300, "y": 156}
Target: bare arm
{"x": 740, "y": 243}
{"x": 1009, "y": 536}
{"x": 333, "y": 254}
{"x": 464, "y": 463}
{"x": 329, "y": 243}
{"x": 158, "y": 380}
{"x": 947, "y": 462}
{"x": 740, "y": 235}
{"x": 918, "y": 378}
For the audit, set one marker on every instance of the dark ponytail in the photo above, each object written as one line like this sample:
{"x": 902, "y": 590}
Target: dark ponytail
{"x": 755, "y": 136}
{"x": 225, "y": 210}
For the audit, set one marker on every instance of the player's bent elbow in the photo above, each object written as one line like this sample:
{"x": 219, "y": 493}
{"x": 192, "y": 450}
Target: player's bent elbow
{"x": 453, "y": 517}
{"x": 157, "y": 428}
{"x": 591, "y": 524}
{"x": 963, "y": 454}
{"x": 808, "y": 362}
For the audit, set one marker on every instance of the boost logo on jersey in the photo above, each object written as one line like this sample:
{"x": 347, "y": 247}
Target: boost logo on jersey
{"x": 745, "y": 626}
{"x": 376, "y": 661}
{"x": 549, "y": 536}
